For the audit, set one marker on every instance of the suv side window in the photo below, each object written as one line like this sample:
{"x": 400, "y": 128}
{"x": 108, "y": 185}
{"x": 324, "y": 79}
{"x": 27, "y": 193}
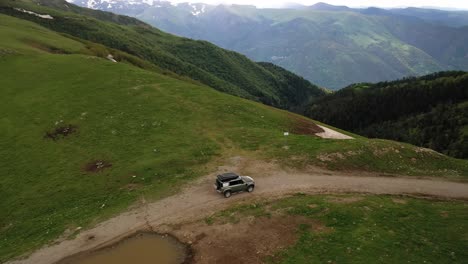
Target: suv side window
{"x": 235, "y": 182}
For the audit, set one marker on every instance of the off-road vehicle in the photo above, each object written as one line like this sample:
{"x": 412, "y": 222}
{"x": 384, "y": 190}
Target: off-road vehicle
{"x": 229, "y": 183}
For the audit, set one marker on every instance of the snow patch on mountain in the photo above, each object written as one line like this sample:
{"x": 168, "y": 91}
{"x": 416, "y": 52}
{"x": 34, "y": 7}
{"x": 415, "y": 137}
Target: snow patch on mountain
{"x": 91, "y": 4}
{"x": 196, "y": 11}
{"x": 100, "y": 4}
{"x": 95, "y": 4}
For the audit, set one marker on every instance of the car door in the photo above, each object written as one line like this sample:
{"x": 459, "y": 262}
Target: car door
{"x": 237, "y": 186}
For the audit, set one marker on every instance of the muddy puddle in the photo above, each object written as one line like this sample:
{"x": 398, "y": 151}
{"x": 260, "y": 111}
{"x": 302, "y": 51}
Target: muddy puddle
{"x": 142, "y": 248}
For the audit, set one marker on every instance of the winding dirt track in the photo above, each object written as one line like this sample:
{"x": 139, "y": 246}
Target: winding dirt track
{"x": 200, "y": 200}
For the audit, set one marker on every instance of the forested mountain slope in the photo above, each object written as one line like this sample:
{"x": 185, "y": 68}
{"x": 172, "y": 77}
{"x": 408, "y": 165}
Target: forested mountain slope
{"x": 453, "y": 18}
{"x": 430, "y": 111}
{"x": 331, "y": 46}
{"x": 223, "y": 70}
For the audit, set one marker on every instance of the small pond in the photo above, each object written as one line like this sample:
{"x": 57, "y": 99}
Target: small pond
{"x": 141, "y": 248}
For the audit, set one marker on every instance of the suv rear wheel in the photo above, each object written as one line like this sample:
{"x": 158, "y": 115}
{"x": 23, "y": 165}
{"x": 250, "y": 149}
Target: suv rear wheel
{"x": 251, "y": 188}
{"x": 227, "y": 194}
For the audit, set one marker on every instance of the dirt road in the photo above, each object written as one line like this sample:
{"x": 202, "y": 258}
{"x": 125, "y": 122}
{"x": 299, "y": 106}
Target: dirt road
{"x": 330, "y": 133}
{"x": 200, "y": 200}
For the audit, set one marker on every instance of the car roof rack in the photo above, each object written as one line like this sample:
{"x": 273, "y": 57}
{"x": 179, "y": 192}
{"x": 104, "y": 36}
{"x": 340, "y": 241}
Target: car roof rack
{"x": 228, "y": 176}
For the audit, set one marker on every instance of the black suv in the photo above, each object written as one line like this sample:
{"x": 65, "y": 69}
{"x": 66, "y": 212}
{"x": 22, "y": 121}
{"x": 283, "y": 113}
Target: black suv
{"x": 229, "y": 183}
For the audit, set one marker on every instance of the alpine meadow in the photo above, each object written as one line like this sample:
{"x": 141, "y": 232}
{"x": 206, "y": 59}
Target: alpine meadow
{"x": 116, "y": 137}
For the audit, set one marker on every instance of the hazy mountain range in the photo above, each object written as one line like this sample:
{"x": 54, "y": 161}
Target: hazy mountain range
{"x": 332, "y": 46}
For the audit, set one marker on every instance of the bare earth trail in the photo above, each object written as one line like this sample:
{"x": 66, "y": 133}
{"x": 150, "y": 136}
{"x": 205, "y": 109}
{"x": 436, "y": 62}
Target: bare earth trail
{"x": 200, "y": 200}
{"x": 330, "y": 133}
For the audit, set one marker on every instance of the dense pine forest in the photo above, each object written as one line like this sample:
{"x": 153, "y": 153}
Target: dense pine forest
{"x": 430, "y": 111}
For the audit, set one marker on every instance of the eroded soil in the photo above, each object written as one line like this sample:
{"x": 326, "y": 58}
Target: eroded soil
{"x": 250, "y": 240}
{"x": 97, "y": 165}
{"x": 60, "y": 132}
{"x": 304, "y": 126}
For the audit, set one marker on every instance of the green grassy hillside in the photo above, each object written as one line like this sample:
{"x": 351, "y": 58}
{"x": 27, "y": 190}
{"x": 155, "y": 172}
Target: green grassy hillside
{"x": 221, "y": 69}
{"x": 429, "y": 111}
{"x": 82, "y": 137}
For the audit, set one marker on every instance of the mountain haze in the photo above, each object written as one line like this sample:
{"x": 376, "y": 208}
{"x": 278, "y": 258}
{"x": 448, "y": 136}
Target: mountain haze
{"x": 331, "y": 46}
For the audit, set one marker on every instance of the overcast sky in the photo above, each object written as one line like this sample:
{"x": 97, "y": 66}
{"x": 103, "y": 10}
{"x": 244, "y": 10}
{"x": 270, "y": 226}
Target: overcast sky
{"x": 458, "y": 4}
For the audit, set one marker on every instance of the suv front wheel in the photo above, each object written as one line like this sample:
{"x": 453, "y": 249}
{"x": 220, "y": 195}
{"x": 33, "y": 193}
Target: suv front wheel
{"x": 227, "y": 194}
{"x": 251, "y": 188}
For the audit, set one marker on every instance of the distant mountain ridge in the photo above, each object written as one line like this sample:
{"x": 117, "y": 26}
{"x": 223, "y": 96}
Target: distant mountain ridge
{"x": 327, "y": 7}
{"x": 332, "y": 46}
{"x": 453, "y": 18}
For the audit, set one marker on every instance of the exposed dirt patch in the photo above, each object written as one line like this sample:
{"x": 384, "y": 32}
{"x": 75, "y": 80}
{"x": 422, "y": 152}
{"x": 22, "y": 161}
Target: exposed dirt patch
{"x": 97, "y": 166}
{"x": 303, "y": 126}
{"x": 254, "y": 168}
{"x": 346, "y": 200}
{"x": 379, "y": 152}
{"x": 4, "y": 52}
{"x": 250, "y": 240}
{"x": 337, "y": 155}
{"x": 331, "y": 156}
{"x": 425, "y": 150}
{"x": 131, "y": 186}
{"x": 399, "y": 201}
{"x": 331, "y": 134}
{"x": 45, "y": 47}
{"x": 5, "y": 227}
{"x": 61, "y": 132}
